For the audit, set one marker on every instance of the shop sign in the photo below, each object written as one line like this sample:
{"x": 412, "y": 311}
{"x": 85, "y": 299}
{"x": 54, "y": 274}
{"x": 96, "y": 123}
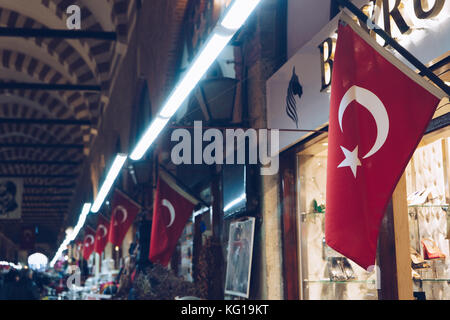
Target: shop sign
{"x": 298, "y": 94}
{"x": 399, "y": 18}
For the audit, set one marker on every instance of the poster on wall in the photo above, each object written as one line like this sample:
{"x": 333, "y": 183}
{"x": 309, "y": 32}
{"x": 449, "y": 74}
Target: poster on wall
{"x": 186, "y": 250}
{"x": 240, "y": 251}
{"x": 28, "y": 238}
{"x": 11, "y": 190}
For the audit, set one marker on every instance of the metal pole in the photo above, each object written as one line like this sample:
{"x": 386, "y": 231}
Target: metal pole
{"x": 394, "y": 44}
{"x": 184, "y": 186}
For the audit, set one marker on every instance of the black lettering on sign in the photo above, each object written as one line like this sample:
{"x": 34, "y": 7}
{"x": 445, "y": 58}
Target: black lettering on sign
{"x": 396, "y": 14}
{"x": 326, "y": 61}
{"x": 421, "y": 13}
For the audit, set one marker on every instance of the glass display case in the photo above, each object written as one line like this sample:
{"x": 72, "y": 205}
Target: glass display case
{"x": 427, "y": 177}
{"x": 324, "y": 273}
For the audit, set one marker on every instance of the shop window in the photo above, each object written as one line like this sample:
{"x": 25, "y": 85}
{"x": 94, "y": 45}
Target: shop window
{"x": 323, "y": 273}
{"x": 427, "y": 181}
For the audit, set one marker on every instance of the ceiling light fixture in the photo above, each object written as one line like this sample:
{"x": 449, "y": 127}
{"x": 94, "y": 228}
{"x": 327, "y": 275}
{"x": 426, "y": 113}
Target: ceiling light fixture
{"x": 72, "y": 235}
{"x": 235, "y": 17}
{"x": 117, "y": 165}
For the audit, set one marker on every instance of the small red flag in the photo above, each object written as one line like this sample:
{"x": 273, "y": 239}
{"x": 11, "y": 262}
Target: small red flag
{"x": 88, "y": 242}
{"x": 171, "y": 211}
{"x": 101, "y": 235}
{"x": 78, "y": 249}
{"x": 378, "y": 115}
{"x": 28, "y": 238}
{"x": 124, "y": 211}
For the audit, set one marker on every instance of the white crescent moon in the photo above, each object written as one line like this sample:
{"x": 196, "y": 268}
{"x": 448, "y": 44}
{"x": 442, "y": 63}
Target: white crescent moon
{"x": 123, "y": 210}
{"x": 169, "y": 206}
{"x": 88, "y": 243}
{"x": 105, "y": 231}
{"x": 374, "y": 105}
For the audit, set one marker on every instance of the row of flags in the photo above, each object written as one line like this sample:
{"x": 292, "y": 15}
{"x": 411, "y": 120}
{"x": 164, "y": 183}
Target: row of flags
{"x": 123, "y": 213}
{"x": 171, "y": 211}
{"x": 379, "y": 112}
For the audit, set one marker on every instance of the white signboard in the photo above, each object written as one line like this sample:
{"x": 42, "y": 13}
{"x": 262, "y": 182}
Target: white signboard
{"x": 285, "y": 103}
{"x": 295, "y": 99}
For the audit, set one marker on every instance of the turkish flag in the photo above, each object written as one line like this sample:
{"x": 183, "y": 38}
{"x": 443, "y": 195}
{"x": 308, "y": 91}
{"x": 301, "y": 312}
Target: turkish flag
{"x": 78, "y": 249}
{"x": 171, "y": 211}
{"x": 378, "y": 115}
{"x": 101, "y": 235}
{"x": 88, "y": 242}
{"x": 28, "y": 238}
{"x": 124, "y": 211}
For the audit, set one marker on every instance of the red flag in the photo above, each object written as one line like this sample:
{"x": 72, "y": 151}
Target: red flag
{"x": 171, "y": 210}
{"x": 88, "y": 242}
{"x": 28, "y": 238}
{"x": 101, "y": 235}
{"x": 123, "y": 213}
{"x": 378, "y": 115}
{"x": 78, "y": 249}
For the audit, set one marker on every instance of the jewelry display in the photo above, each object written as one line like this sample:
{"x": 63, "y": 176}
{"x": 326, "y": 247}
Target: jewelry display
{"x": 428, "y": 197}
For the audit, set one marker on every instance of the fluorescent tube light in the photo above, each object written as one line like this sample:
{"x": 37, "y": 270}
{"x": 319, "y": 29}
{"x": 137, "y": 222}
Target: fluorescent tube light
{"x": 117, "y": 165}
{"x": 235, "y": 202}
{"x": 235, "y": 17}
{"x": 73, "y": 234}
{"x": 238, "y": 13}
{"x": 150, "y": 135}
{"x": 198, "y": 69}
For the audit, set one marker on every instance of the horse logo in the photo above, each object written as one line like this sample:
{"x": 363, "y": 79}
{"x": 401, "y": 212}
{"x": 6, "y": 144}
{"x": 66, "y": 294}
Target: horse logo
{"x": 295, "y": 88}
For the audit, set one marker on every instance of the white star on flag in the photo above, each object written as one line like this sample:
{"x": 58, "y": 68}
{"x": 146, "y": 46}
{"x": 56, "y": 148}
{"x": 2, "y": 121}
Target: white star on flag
{"x": 351, "y": 160}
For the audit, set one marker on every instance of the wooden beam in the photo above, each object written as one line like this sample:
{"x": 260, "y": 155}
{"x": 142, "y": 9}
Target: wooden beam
{"x": 64, "y": 122}
{"x": 289, "y": 250}
{"x": 30, "y": 202}
{"x": 394, "y": 248}
{"x": 41, "y": 176}
{"x": 44, "y": 195}
{"x": 388, "y": 289}
{"x": 41, "y": 146}
{"x": 57, "y": 33}
{"x": 48, "y": 86}
{"x": 50, "y": 186}
{"x": 39, "y": 162}
{"x": 402, "y": 241}
{"x": 41, "y": 213}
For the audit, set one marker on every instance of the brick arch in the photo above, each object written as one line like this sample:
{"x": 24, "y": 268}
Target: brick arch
{"x": 81, "y": 104}
{"x": 61, "y": 133}
{"x": 122, "y": 16}
{"x": 23, "y": 154}
{"x": 9, "y": 134}
{"x": 61, "y": 49}
{"x": 86, "y": 106}
{"x": 48, "y": 104}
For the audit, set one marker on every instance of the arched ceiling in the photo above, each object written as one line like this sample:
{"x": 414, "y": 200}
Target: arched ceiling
{"x": 45, "y": 134}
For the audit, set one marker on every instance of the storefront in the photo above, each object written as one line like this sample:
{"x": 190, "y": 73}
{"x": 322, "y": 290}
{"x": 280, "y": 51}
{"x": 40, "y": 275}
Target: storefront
{"x": 416, "y": 234}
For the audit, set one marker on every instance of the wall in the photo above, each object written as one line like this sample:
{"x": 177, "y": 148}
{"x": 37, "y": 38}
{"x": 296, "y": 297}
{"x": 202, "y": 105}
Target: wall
{"x": 262, "y": 57}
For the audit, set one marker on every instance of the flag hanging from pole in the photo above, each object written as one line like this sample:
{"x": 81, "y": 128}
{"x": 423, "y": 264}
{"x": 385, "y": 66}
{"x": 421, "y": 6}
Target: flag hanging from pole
{"x": 123, "y": 212}
{"x": 88, "y": 242}
{"x": 101, "y": 234}
{"x": 379, "y": 111}
{"x": 171, "y": 211}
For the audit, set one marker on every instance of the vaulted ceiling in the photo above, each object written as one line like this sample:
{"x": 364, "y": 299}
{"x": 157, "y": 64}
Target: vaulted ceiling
{"x": 53, "y": 89}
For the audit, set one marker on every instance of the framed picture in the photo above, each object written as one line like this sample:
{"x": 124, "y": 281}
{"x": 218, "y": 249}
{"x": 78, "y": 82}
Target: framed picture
{"x": 240, "y": 251}
{"x": 11, "y": 198}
